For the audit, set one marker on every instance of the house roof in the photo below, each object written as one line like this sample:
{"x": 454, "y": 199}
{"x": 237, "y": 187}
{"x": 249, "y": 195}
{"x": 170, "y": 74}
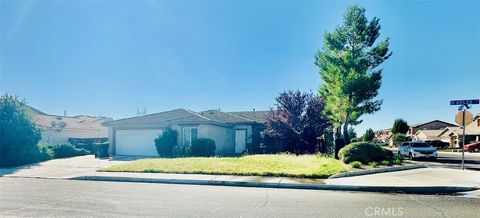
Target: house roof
{"x": 225, "y": 117}
{"x": 177, "y": 116}
{"x": 459, "y": 131}
{"x": 430, "y": 133}
{"x": 34, "y": 111}
{"x": 257, "y": 116}
{"x": 183, "y": 116}
{"x": 81, "y": 122}
{"x": 421, "y": 124}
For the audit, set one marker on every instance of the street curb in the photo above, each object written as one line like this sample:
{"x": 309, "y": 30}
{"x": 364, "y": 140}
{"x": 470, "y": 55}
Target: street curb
{"x": 374, "y": 171}
{"x": 389, "y": 189}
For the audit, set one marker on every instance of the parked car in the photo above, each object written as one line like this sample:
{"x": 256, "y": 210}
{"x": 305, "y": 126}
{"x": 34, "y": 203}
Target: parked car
{"x": 437, "y": 143}
{"x": 472, "y": 147}
{"x": 417, "y": 149}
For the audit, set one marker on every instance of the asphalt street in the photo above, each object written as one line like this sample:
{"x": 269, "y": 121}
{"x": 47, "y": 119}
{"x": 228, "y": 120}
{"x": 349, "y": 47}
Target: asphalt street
{"x": 69, "y": 198}
{"x": 451, "y": 160}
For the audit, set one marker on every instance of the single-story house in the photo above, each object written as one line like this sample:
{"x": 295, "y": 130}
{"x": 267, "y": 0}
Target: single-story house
{"x": 429, "y": 135}
{"x": 233, "y": 132}
{"x": 57, "y": 129}
{"x": 383, "y": 135}
{"x": 430, "y": 125}
{"x": 454, "y": 135}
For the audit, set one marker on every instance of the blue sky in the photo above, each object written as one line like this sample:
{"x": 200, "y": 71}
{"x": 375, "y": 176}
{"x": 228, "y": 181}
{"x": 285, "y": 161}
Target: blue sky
{"x": 111, "y": 57}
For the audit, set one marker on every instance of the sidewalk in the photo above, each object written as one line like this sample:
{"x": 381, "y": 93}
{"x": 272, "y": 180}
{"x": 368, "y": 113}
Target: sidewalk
{"x": 279, "y": 182}
{"x": 416, "y": 177}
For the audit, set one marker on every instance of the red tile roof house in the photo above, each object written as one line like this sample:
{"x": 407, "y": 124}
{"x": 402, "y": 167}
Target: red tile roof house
{"x": 233, "y": 132}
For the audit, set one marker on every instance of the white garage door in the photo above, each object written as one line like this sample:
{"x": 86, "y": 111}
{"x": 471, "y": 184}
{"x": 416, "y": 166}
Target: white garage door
{"x": 136, "y": 142}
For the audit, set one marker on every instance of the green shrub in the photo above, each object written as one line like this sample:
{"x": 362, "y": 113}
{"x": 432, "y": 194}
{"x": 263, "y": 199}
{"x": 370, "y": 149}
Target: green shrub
{"x": 398, "y": 138}
{"x": 66, "y": 150}
{"x": 372, "y": 164}
{"x": 166, "y": 142}
{"x": 364, "y": 152}
{"x": 398, "y": 160}
{"x": 203, "y": 147}
{"x": 356, "y": 164}
{"x": 19, "y": 135}
{"x": 182, "y": 151}
{"x": 386, "y": 162}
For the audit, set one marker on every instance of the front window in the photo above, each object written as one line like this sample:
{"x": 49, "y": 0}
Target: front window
{"x": 189, "y": 134}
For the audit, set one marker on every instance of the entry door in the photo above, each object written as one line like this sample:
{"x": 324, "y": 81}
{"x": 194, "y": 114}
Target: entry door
{"x": 240, "y": 140}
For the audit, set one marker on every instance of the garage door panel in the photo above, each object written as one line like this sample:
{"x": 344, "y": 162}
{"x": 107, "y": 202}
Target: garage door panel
{"x": 136, "y": 142}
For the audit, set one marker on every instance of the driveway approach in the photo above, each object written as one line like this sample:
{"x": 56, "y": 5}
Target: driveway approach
{"x": 65, "y": 168}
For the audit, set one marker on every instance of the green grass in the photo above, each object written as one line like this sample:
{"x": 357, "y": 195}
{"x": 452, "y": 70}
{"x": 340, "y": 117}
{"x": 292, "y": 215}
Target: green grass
{"x": 303, "y": 166}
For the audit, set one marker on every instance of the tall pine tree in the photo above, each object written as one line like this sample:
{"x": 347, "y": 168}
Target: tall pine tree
{"x": 349, "y": 66}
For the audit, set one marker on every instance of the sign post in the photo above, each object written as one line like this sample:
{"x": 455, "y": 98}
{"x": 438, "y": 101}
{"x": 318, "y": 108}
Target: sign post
{"x": 464, "y": 105}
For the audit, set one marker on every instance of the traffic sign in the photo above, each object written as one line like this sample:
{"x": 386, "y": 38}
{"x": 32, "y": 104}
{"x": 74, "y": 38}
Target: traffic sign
{"x": 464, "y": 102}
{"x": 459, "y": 118}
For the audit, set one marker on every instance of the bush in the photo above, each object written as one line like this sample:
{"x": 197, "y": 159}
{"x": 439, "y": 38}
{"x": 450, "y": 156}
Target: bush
{"x": 398, "y": 138}
{"x": 356, "y": 164}
{"x": 364, "y": 152}
{"x": 203, "y": 147}
{"x": 166, "y": 141}
{"x": 19, "y": 135}
{"x": 66, "y": 150}
{"x": 398, "y": 160}
{"x": 181, "y": 151}
{"x": 386, "y": 162}
{"x": 372, "y": 164}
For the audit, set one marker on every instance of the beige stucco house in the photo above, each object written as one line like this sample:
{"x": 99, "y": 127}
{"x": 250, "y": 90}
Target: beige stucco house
{"x": 428, "y": 135}
{"x": 430, "y": 125}
{"x": 57, "y": 129}
{"x": 454, "y": 135}
{"x": 233, "y": 132}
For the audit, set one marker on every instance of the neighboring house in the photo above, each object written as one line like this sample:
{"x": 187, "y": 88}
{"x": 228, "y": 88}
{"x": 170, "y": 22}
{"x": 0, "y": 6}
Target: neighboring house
{"x": 59, "y": 129}
{"x": 428, "y": 135}
{"x": 431, "y": 125}
{"x": 383, "y": 135}
{"x": 454, "y": 135}
{"x": 233, "y": 132}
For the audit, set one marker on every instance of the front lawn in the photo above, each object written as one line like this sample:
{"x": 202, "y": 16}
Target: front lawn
{"x": 305, "y": 166}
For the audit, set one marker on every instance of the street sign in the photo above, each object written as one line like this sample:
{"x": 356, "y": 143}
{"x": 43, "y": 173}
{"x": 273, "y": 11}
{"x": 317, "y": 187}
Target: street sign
{"x": 464, "y": 118}
{"x": 459, "y": 118}
{"x": 465, "y": 102}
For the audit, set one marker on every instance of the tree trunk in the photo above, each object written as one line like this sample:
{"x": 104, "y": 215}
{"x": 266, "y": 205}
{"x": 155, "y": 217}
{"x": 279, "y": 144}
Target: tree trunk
{"x": 346, "y": 137}
{"x": 338, "y": 140}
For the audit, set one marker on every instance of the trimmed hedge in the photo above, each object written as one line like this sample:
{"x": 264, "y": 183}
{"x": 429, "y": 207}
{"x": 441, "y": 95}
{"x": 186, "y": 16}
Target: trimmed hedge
{"x": 66, "y": 150}
{"x": 364, "y": 152}
{"x": 203, "y": 147}
{"x": 165, "y": 142}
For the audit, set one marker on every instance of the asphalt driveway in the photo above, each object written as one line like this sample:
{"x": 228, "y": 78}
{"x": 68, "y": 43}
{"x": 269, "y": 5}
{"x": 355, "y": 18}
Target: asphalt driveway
{"x": 65, "y": 168}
